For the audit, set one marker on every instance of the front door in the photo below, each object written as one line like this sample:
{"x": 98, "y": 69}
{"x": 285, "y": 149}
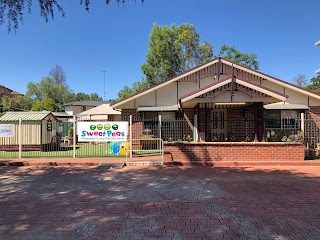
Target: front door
{"x": 219, "y": 125}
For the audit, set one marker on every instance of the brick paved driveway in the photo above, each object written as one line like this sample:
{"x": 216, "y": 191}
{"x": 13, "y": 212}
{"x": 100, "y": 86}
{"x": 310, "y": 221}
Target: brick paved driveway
{"x": 159, "y": 203}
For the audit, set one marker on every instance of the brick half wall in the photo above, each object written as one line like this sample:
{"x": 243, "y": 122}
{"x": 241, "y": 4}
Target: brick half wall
{"x": 241, "y": 151}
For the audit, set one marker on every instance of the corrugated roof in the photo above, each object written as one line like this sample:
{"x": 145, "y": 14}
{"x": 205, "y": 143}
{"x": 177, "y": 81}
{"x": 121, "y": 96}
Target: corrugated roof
{"x": 25, "y": 116}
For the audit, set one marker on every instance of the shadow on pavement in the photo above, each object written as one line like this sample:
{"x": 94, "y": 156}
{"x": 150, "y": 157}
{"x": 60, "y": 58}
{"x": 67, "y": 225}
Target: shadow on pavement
{"x": 158, "y": 202}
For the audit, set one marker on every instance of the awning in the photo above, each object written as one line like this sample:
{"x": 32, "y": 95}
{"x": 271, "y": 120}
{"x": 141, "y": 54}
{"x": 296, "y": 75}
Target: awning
{"x": 158, "y": 108}
{"x": 285, "y": 106}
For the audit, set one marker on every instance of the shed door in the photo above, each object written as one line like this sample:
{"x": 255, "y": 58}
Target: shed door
{"x": 219, "y": 125}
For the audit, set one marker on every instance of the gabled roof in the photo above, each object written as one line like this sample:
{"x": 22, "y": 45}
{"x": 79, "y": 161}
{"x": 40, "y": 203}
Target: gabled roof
{"x": 89, "y": 103}
{"x": 163, "y": 83}
{"x": 12, "y": 91}
{"x": 271, "y": 79}
{"x": 6, "y": 87}
{"x": 240, "y": 81}
{"x": 25, "y": 116}
{"x": 225, "y": 61}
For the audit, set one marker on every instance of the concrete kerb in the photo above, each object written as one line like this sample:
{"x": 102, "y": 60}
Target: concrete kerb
{"x": 120, "y": 163}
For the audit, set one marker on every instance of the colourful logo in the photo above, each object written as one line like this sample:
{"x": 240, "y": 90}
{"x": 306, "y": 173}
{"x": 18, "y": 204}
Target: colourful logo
{"x": 92, "y": 127}
{"x": 115, "y": 127}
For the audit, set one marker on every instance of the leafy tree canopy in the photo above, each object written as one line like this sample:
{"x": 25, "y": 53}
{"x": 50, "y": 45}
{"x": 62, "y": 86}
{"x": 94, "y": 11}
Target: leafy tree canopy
{"x": 16, "y": 103}
{"x": 47, "y": 104}
{"x": 172, "y": 50}
{"x": 314, "y": 84}
{"x": 175, "y": 49}
{"x": 84, "y": 96}
{"x": 12, "y": 11}
{"x": 47, "y": 88}
{"x": 235, "y": 55}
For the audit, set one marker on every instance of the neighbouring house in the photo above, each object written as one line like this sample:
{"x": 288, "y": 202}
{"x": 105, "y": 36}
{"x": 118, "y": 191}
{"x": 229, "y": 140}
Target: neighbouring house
{"x": 4, "y": 91}
{"x": 224, "y": 102}
{"x": 102, "y": 112}
{"x": 38, "y": 130}
{"x": 77, "y": 107}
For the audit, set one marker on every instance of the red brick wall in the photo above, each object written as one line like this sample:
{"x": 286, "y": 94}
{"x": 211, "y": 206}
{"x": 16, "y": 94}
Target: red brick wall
{"x": 186, "y": 152}
{"x": 137, "y": 125}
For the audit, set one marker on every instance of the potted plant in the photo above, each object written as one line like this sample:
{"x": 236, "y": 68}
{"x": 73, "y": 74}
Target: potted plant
{"x": 70, "y": 135}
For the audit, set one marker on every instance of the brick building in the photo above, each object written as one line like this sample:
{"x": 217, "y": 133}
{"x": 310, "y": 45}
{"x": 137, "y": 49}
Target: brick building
{"x": 227, "y": 102}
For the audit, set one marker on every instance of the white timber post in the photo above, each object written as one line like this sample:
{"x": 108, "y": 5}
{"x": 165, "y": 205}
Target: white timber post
{"x": 74, "y": 137}
{"x": 20, "y": 137}
{"x": 160, "y": 125}
{"x": 302, "y": 123}
{"x": 130, "y": 136}
{"x": 195, "y": 128}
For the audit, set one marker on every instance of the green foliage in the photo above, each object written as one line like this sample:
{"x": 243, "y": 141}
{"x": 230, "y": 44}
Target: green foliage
{"x": 16, "y": 103}
{"x": 172, "y": 50}
{"x": 136, "y": 87}
{"x": 233, "y": 54}
{"x": 314, "y": 84}
{"x": 48, "y": 88}
{"x": 293, "y": 137}
{"x": 70, "y": 132}
{"x": 175, "y": 49}
{"x": 187, "y": 138}
{"x": 271, "y": 136}
{"x": 47, "y": 104}
{"x": 12, "y": 11}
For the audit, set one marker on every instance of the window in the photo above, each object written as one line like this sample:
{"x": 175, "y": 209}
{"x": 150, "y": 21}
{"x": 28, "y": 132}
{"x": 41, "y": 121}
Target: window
{"x": 284, "y": 119}
{"x": 151, "y": 120}
{"x": 273, "y": 118}
{"x": 167, "y": 120}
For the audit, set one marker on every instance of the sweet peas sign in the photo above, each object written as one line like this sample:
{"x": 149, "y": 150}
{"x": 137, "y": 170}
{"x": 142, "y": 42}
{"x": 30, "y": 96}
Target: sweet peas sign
{"x": 102, "y": 131}
{"x": 6, "y": 130}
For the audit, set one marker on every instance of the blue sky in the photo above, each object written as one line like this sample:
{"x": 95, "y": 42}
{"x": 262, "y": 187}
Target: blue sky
{"x": 115, "y": 39}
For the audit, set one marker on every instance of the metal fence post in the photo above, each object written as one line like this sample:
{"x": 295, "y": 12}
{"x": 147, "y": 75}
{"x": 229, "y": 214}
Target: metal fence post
{"x": 130, "y": 136}
{"x": 20, "y": 138}
{"x": 74, "y": 137}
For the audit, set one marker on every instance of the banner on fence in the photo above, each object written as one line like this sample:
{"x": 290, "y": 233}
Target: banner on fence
{"x": 7, "y": 130}
{"x": 102, "y": 131}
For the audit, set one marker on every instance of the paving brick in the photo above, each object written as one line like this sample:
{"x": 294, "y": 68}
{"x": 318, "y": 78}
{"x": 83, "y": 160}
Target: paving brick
{"x": 159, "y": 203}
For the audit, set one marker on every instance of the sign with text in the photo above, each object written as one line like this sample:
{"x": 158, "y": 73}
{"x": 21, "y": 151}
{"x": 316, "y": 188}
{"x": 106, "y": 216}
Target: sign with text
{"x": 102, "y": 131}
{"x": 7, "y": 130}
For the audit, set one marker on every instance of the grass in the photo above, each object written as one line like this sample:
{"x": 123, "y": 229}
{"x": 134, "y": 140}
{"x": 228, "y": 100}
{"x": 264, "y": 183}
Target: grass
{"x": 82, "y": 150}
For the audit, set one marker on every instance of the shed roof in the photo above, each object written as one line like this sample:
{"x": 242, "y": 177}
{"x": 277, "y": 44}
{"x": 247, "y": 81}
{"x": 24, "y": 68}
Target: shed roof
{"x": 25, "y": 116}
